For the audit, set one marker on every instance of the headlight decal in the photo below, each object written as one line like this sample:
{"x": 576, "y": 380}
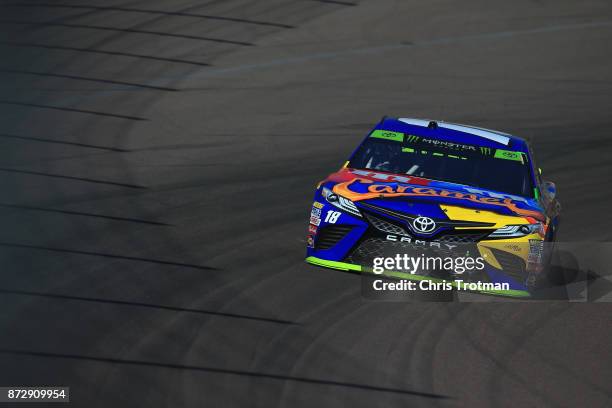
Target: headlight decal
{"x": 340, "y": 202}
{"x": 515, "y": 231}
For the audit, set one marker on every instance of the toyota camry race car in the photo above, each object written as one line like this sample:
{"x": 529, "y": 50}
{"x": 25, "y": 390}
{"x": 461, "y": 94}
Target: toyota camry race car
{"x": 421, "y": 187}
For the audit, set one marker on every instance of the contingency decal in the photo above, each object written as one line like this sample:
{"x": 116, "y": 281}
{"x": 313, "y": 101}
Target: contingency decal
{"x": 388, "y": 135}
{"x": 310, "y": 241}
{"x": 315, "y": 213}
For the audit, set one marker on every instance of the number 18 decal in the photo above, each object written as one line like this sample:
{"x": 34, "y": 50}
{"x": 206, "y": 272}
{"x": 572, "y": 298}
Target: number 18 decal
{"x": 332, "y": 216}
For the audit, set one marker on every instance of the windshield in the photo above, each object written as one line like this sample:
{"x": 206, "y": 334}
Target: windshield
{"x": 500, "y": 170}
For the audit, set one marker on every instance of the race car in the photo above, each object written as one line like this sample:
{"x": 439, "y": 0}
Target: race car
{"x": 421, "y": 186}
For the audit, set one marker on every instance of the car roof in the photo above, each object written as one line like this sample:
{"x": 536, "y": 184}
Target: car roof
{"x": 454, "y": 132}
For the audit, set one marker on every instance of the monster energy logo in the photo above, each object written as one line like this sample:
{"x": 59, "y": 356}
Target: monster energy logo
{"x": 412, "y": 138}
{"x": 485, "y": 150}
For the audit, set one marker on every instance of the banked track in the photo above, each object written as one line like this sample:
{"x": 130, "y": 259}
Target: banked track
{"x": 158, "y": 161}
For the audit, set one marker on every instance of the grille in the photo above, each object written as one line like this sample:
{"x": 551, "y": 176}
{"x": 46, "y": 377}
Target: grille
{"x": 330, "y": 235}
{"x": 462, "y": 237}
{"x": 512, "y": 265}
{"x": 367, "y": 250}
{"x": 452, "y": 236}
{"x": 385, "y": 226}
{"x": 373, "y": 247}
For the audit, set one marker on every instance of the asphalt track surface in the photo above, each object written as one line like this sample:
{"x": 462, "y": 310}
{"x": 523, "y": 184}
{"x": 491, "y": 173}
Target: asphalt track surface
{"x": 157, "y": 163}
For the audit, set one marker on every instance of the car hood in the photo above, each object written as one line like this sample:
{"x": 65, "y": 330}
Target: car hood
{"x": 420, "y": 196}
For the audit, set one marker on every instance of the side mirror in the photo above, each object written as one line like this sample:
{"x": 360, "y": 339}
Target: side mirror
{"x": 551, "y": 188}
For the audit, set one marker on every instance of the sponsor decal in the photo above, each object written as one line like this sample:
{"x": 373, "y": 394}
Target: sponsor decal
{"x": 390, "y": 177}
{"x": 434, "y": 244}
{"x": 363, "y": 189}
{"x": 513, "y": 247}
{"x": 449, "y": 145}
{"x": 312, "y": 229}
{"x": 310, "y": 241}
{"x": 315, "y": 212}
{"x": 317, "y": 204}
{"x": 536, "y": 250}
{"x": 508, "y": 155}
{"x": 496, "y": 195}
{"x": 314, "y": 220}
{"x": 388, "y": 135}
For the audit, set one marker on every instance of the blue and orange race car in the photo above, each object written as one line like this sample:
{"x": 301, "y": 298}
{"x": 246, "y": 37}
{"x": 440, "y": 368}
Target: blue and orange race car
{"x": 416, "y": 185}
